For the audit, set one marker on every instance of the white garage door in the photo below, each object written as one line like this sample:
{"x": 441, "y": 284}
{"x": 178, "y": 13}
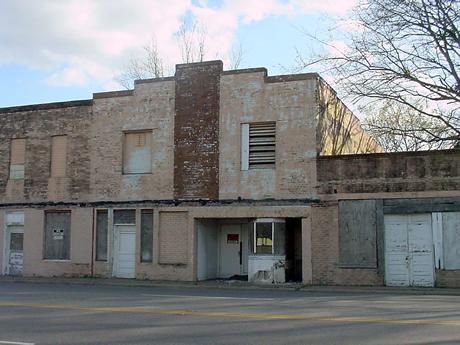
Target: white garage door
{"x": 124, "y": 256}
{"x": 409, "y": 250}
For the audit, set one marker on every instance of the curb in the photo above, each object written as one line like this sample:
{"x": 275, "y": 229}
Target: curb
{"x": 223, "y": 284}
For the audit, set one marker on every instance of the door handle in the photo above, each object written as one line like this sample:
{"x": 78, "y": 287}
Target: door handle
{"x": 241, "y": 253}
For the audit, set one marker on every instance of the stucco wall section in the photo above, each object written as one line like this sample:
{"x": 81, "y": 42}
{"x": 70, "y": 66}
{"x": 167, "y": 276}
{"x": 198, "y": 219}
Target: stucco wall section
{"x": 79, "y": 263}
{"x": 246, "y": 98}
{"x": 325, "y": 252}
{"x": 150, "y": 107}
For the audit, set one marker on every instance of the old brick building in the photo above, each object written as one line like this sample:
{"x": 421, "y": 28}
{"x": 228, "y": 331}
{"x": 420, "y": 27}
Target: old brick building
{"x": 214, "y": 174}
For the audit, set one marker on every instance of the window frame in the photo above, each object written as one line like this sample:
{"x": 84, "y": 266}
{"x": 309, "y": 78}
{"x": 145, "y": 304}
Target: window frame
{"x": 125, "y": 133}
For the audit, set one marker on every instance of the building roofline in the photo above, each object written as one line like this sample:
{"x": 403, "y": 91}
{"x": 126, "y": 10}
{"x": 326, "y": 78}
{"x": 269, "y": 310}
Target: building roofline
{"x": 46, "y": 106}
{"x": 111, "y": 94}
{"x": 389, "y": 154}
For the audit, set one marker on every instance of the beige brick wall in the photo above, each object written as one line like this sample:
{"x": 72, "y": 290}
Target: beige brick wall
{"x": 173, "y": 238}
{"x": 248, "y": 97}
{"x": 151, "y": 106}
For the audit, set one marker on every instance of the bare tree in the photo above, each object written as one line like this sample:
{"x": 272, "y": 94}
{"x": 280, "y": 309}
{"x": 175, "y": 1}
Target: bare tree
{"x": 397, "y": 127}
{"x": 407, "y": 52}
{"x": 236, "y": 56}
{"x": 150, "y": 65}
{"x": 191, "y": 39}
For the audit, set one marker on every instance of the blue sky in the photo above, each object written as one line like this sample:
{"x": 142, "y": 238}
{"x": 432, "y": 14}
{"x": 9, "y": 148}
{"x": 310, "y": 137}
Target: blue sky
{"x": 65, "y": 50}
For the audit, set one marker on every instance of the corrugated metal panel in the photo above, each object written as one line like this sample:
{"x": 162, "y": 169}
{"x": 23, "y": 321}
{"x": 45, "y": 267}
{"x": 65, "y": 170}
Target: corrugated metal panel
{"x": 137, "y": 158}
{"x": 58, "y": 155}
{"x": 262, "y": 145}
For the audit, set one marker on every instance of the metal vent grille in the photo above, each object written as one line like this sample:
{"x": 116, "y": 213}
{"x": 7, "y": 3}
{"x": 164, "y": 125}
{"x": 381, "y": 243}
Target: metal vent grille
{"x": 262, "y": 143}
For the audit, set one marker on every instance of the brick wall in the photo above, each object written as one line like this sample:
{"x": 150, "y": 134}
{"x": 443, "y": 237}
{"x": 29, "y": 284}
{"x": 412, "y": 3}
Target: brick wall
{"x": 37, "y": 124}
{"x": 196, "y": 130}
{"x": 390, "y": 172}
{"x": 173, "y": 238}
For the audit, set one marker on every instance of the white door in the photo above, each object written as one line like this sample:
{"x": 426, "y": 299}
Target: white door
{"x": 124, "y": 254}
{"x": 14, "y": 250}
{"x": 409, "y": 250}
{"x": 230, "y": 250}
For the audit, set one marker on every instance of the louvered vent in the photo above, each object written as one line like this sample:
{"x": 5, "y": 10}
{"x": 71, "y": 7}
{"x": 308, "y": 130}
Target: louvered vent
{"x": 262, "y": 142}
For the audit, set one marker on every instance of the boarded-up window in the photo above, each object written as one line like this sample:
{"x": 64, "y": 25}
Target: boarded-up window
{"x": 137, "y": 155}
{"x": 58, "y": 155}
{"x": 57, "y": 235}
{"x": 146, "y": 235}
{"x": 18, "y": 151}
{"x": 173, "y": 237}
{"x": 357, "y": 233}
{"x": 101, "y": 235}
{"x": 258, "y": 146}
{"x": 124, "y": 217}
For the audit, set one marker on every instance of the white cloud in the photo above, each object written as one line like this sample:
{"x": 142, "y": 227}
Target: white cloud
{"x": 78, "y": 41}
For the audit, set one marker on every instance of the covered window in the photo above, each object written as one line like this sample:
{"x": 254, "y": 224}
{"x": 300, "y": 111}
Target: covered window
{"x": 101, "y": 235}
{"x": 137, "y": 152}
{"x": 57, "y": 235}
{"x": 124, "y": 217}
{"x": 269, "y": 236}
{"x": 58, "y": 155}
{"x": 258, "y": 145}
{"x": 146, "y": 235}
{"x": 17, "y": 158}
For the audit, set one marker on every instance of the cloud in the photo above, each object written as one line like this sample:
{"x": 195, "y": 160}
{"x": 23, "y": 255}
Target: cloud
{"x": 79, "y": 41}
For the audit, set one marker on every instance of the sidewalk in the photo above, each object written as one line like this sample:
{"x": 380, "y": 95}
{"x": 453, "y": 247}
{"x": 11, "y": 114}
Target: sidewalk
{"x": 233, "y": 284}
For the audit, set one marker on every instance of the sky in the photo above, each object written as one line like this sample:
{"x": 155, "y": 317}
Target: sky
{"x": 59, "y": 50}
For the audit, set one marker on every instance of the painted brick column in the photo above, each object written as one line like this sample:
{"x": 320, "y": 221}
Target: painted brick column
{"x": 196, "y": 130}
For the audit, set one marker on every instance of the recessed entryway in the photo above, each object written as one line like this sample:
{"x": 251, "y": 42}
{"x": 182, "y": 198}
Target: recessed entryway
{"x": 409, "y": 259}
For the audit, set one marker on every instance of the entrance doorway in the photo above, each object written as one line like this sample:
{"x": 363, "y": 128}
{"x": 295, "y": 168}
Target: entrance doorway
{"x": 14, "y": 250}
{"x": 233, "y": 251}
{"x": 124, "y": 253}
{"x": 409, "y": 250}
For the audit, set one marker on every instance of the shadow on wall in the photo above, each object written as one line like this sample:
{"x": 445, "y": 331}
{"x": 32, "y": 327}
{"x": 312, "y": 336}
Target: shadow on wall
{"x": 339, "y": 131}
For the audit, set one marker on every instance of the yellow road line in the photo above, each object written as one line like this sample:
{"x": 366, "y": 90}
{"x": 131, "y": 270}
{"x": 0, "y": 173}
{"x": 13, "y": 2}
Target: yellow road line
{"x": 261, "y": 316}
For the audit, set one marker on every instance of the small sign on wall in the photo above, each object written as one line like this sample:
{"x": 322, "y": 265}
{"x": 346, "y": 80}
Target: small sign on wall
{"x": 233, "y": 238}
{"x": 58, "y": 234}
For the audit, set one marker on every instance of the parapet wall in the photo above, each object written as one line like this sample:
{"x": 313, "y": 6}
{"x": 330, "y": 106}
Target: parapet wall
{"x": 389, "y": 172}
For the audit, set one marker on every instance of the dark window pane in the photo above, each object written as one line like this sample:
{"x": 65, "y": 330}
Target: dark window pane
{"x": 101, "y": 235}
{"x": 57, "y": 235}
{"x": 264, "y": 240}
{"x": 16, "y": 241}
{"x": 146, "y": 236}
{"x": 124, "y": 217}
{"x": 279, "y": 240}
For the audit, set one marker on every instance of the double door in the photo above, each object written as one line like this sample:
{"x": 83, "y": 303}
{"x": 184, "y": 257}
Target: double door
{"x": 409, "y": 259}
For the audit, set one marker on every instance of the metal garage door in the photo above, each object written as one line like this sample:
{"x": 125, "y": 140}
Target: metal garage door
{"x": 409, "y": 250}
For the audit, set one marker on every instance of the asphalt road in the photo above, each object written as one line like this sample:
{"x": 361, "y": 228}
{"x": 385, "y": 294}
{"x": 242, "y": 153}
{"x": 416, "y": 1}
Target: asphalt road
{"x": 33, "y": 313}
